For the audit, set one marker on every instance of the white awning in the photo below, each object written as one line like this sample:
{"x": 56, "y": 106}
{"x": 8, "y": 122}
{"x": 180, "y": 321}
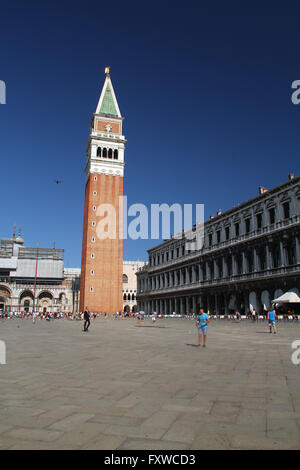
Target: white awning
{"x": 287, "y": 298}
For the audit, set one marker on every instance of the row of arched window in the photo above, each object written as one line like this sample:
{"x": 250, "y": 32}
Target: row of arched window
{"x": 129, "y": 297}
{"x": 107, "y": 153}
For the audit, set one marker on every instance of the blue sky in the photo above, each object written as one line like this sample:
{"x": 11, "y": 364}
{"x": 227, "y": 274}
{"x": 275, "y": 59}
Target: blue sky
{"x": 205, "y": 90}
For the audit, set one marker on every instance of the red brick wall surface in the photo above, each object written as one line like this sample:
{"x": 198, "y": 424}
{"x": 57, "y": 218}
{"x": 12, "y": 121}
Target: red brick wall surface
{"x": 108, "y": 262}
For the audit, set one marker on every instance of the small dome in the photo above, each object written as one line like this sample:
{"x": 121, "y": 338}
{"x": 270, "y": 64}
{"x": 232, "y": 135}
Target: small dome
{"x": 19, "y": 240}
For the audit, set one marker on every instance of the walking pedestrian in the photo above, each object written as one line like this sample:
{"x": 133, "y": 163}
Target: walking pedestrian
{"x": 272, "y": 317}
{"x": 87, "y": 321}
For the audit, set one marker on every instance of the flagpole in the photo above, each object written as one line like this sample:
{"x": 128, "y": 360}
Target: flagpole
{"x": 36, "y": 268}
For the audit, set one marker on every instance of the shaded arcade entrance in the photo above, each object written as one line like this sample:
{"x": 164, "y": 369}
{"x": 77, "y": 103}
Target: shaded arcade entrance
{"x": 5, "y": 299}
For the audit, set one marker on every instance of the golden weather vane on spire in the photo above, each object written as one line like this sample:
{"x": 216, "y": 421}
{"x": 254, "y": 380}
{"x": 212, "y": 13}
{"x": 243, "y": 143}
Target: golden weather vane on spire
{"x": 107, "y": 69}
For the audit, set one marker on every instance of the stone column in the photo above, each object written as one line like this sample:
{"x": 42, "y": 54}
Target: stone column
{"x": 194, "y": 305}
{"x": 216, "y": 303}
{"x": 187, "y": 276}
{"x": 226, "y": 302}
{"x": 208, "y": 303}
{"x": 187, "y": 305}
{"x": 255, "y": 260}
{"x": 208, "y": 273}
{"x": 200, "y": 272}
{"x": 216, "y": 269}
{"x": 282, "y": 254}
{"x": 182, "y": 306}
{"x": 268, "y": 257}
{"x": 244, "y": 263}
{"x": 225, "y": 270}
{"x": 297, "y": 249}
{"x": 246, "y": 302}
{"x": 234, "y": 265}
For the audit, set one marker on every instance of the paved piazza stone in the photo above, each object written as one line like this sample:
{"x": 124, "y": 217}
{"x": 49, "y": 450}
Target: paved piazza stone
{"x": 130, "y": 385}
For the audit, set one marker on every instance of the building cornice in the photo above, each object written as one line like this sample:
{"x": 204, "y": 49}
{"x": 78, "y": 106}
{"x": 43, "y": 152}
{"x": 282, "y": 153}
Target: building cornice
{"x": 221, "y": 219}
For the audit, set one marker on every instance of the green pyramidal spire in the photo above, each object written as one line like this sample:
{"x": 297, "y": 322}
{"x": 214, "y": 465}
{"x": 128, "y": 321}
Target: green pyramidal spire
{"x": 108, "y": 105}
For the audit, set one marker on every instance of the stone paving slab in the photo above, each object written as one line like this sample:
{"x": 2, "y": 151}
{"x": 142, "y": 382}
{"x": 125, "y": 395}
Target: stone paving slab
{"x": 148, "y": 387}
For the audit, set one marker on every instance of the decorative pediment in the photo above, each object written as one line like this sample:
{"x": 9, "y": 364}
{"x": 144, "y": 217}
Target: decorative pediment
{"x": 226, "y": 222}
{"x": 258, "y": 208}
{"x": 270, "y": 203}
{"x": 285, "y": 197}
{"x": 246, "y": 213}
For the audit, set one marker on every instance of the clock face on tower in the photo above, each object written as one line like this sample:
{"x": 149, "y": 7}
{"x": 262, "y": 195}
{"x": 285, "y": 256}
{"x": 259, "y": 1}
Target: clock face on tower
{"x": 108, "y": 127}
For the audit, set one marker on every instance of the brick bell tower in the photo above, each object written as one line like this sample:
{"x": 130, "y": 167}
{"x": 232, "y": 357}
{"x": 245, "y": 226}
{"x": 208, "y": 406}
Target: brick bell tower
{"x": 102, "y": 258}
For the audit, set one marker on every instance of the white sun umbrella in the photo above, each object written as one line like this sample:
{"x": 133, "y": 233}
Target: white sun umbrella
{"x": 287, "y": 298}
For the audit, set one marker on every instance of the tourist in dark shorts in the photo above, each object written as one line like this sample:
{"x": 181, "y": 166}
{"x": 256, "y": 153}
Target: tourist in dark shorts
{"x": 87, "y": 321}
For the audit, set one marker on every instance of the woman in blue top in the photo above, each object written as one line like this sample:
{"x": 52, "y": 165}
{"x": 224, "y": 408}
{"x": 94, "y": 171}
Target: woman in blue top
{"x": 202, "y": 322}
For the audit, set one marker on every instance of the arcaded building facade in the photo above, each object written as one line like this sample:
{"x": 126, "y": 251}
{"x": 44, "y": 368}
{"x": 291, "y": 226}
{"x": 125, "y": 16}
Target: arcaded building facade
{"x": 130, "y": 269}
{"x": 36, "y": 279}
{"x": 250, "y": 256}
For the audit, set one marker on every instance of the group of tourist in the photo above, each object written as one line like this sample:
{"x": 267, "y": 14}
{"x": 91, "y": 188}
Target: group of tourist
{"x": 203, "y": 320}
{"x": 32, "y": 315}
